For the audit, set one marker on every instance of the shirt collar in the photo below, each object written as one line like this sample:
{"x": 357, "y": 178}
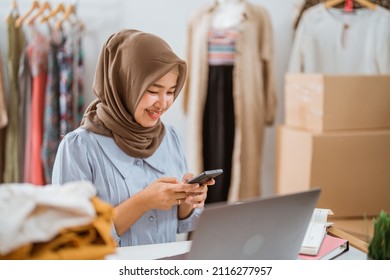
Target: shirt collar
{"x": 156, "y": 160}
{"x": 122, "y": 161}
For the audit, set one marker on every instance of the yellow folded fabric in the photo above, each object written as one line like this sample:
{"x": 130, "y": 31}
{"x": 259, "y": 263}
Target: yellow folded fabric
{"x": 89, "y": 242}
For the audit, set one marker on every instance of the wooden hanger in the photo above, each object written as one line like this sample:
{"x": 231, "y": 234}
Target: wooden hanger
{"x": 14, "y": 10}
{"x": 364, "y": 3}
{"x": 42, "y": 9}
{"x": 14, "y": 5}
{"x": 19, "y": 21}
{"x": 58, "y": 9}
{"x": 70, "y": 10}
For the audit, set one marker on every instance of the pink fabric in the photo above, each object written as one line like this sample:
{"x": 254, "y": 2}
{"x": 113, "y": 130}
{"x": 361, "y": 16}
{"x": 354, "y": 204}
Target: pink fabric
{"x": 38, "y": 54}
{"x": 37, "y": 112}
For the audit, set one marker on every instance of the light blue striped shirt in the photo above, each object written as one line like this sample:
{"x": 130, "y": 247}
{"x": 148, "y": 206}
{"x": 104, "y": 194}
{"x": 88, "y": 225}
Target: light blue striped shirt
{"x": 83, "y": 155}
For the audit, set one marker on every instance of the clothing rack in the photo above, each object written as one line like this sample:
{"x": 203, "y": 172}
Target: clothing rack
{"x": 46, "y": 96}
{"x": 44, "y": 11}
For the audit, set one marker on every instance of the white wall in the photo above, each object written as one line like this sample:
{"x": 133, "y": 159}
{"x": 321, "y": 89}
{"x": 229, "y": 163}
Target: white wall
{"x": 168, "y": 19}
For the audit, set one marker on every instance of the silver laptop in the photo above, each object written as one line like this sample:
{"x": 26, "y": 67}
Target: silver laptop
{"x": 269, "y": 228}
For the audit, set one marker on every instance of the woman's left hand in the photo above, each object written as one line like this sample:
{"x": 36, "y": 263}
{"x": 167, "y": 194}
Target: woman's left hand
{"x": 196, "y": 196}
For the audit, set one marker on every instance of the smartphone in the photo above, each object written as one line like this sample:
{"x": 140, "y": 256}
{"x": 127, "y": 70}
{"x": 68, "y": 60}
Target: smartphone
{"x": 205, "y": 176}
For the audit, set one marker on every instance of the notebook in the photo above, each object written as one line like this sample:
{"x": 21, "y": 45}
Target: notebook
{"x": 270, "y": 228}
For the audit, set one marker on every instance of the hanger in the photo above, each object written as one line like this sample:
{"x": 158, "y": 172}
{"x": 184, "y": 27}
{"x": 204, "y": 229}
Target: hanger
{"x": 14, "y": 10}
{"x": 14, "y": 5}
{"x": 364, "y": 3}
{"x": 70, "y": 10}
{"x": 58, "y": 9}
{"x": 19, "y": 21}
{"x": 45, "y": 6}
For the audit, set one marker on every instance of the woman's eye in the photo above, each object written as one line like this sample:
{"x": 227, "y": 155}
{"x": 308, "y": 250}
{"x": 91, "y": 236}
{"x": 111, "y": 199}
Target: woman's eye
{"x": 170, "y": 92}
{"x": 152, "y": 92}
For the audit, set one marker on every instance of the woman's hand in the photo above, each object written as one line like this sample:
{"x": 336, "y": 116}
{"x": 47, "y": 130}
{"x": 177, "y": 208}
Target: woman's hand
{"x": 196, "y": 196}
{"x": 164, "y": 193}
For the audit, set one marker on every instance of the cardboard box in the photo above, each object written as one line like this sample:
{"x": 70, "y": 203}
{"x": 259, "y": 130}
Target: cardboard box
{"x": 351, "y": 168}
{"x": 319, "y": 103}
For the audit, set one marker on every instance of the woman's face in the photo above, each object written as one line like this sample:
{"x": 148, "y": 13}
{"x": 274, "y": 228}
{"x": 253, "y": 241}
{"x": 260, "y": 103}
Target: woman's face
{"x": 156, "y": 100}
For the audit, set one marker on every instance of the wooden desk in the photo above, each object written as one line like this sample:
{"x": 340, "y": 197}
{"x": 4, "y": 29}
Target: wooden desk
{"x": 151, "y": 252}
{"x": 359, "y": 227}
{"x": 353, "y": 241}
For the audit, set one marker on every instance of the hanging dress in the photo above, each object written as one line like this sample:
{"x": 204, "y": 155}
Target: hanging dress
{"x": 254, "y": 95}
{"x": 3, "y": 121}
{"x": 12, "y": 146}
{"x": 51, "y": 136}
{"x": 70, "y": 60}
{"x": 24, "y": 80}
{"x": 38, "y": 50}
{"x": 330, "y": 41}
{"x": 218, "y": 116}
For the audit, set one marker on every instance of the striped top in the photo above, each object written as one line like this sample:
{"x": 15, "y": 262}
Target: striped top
{"x": 221, "y": 46}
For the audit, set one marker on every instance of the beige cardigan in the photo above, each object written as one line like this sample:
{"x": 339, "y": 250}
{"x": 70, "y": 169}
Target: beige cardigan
{"x": 253, "y": 93}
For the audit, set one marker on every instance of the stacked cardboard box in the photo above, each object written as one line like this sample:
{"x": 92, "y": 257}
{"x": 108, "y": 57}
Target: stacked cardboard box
{"x": 337, "y": 137}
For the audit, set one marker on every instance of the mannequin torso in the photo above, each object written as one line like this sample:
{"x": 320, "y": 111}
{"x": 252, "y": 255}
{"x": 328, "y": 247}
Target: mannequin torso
{"x": 227, "y": 14}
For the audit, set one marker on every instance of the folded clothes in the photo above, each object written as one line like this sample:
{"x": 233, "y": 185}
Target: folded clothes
{"x": 89, "y": 242}
{"x": 31, "y": 214}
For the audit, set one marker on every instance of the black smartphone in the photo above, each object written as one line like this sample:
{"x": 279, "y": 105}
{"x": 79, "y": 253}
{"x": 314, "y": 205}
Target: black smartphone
{"x": 205, "y": 176}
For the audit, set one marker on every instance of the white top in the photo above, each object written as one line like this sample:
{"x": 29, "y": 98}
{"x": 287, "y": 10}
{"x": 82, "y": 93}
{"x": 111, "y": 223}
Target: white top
{"x": 333, "y": 42}
{"x": 227, "y": 14}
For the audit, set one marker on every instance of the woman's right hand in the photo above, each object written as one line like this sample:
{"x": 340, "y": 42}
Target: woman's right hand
{"x": 164, "y": 193}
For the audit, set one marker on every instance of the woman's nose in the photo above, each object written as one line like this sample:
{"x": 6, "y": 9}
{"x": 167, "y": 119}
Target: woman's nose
{"x": 162, "y": 101}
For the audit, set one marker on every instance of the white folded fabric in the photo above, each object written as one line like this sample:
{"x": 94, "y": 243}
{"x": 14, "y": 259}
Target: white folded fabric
{"x": 30, "y": 213}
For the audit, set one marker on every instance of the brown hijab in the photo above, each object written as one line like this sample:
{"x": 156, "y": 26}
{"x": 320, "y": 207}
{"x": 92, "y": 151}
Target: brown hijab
{"x": 129, "y": 63}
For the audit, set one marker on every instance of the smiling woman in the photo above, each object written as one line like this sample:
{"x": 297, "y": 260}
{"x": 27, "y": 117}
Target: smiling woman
{"x": 156, "y": 100}
{"x": 135, "y": 161}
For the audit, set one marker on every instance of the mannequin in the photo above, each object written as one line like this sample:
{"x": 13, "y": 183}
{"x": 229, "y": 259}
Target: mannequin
{"x": 227, "y": 14}
{"x": 230, "y": 94}
{"x": 218, "y": 117}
